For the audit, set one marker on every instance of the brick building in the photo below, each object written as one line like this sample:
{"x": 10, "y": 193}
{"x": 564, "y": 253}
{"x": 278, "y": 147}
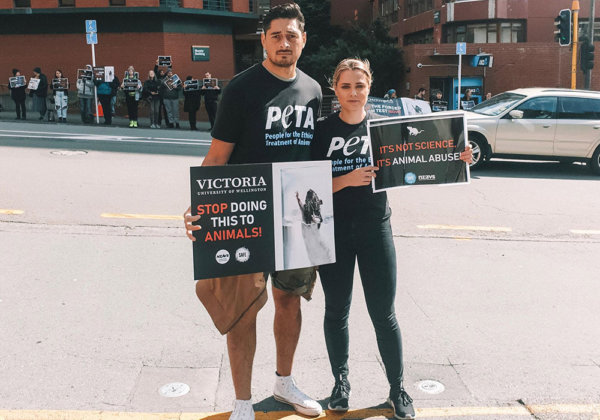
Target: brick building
{"x": 51, "y": 34}
{"x": 518, "y": 34}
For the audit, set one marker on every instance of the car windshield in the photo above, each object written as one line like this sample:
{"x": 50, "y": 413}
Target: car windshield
{"x": 497, "y": 104}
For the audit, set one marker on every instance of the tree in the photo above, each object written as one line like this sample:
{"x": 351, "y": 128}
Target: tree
{"x": 327, "y": 45}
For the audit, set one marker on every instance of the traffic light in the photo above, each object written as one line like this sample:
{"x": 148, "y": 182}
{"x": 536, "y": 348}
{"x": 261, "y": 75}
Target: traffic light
{"x": 586, "y": 54}
{"x": 563, "y": 27}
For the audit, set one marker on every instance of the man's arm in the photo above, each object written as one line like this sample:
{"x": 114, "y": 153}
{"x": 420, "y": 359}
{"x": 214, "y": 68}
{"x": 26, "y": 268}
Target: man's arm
{"x": 218, "y": 154}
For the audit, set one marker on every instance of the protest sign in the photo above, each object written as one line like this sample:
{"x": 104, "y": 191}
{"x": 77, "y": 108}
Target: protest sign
{"x": 17, "y": 81}
{"x": 385, "y": 107}
{"x": 33, "y": 84}
{"x": 415, "y": 150}
{"x": 262, "y": 217}
{"x": 415, "y": 106}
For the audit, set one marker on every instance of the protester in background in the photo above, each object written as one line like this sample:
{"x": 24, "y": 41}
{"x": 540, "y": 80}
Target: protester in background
{"x": 85, "y": 92}
{"x": 40, "y": 94}
{"x": 161, "y": 74}
{"x": 132, "y": 96}
{"x": 151, "y": 91}
{"x": 61, "y": 98}
{"x": 211, "y": 93}
{"x": 391, "y": 94}
{"x": 421, "y": 94}
{"x": 488, "y": 96}
{"x": 18, "y": 95}
{"x": 362, "y": 233}
{"x": 171, "y": 100}
{"x": 106, "y": 91}
{"x": 191, "y": 104}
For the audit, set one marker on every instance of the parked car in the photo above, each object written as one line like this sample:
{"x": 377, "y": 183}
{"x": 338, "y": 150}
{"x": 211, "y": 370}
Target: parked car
{"x": 537, "y": 123}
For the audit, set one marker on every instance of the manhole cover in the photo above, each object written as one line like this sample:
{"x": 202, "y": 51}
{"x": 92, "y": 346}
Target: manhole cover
{"x": 174, "y": 389}
{"x": 68, "y": 152}
{"x": 431, "y": 387}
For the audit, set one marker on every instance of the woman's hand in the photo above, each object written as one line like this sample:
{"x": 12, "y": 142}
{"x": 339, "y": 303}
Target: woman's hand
{"x": 467, "y": 155}
{"x": 357, "y": 178}
{"x": 188, "y": 219}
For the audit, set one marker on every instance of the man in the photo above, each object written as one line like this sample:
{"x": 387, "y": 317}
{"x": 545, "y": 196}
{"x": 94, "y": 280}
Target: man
{"x": 85, "y": 92}
{"x": 421, "y": 94}
{"x": 39, "y": 95}
{"x": 264, "y": 102}
{"x": 211, "y": 93}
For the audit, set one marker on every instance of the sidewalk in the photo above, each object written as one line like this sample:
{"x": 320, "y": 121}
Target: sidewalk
{"x": 117, "y": 121}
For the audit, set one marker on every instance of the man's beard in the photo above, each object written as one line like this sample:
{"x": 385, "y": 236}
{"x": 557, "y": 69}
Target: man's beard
{"x": 285, "y": 63}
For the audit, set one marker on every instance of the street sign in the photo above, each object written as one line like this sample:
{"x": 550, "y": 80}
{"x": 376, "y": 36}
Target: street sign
{"x": 461, "y": 48}
{"x": 90, "y": 26}
{"x": 482, "y": 60}
{"x": 91, "y": 38}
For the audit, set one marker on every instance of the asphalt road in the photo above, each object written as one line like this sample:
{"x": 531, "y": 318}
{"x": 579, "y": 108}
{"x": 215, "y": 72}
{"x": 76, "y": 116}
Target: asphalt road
{"x": 497, "y": 289}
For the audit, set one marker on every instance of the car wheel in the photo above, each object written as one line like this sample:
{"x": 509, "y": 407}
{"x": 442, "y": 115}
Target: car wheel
{"x": 479, "y": 146}
{"x": 595, "y": 162}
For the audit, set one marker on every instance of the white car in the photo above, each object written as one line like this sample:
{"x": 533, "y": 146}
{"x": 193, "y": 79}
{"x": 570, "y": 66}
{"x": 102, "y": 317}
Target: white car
{"x": 537, "y": 123}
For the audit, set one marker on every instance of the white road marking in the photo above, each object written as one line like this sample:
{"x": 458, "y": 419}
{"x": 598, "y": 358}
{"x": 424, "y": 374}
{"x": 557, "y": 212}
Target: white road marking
{"x": 474, "y": 228}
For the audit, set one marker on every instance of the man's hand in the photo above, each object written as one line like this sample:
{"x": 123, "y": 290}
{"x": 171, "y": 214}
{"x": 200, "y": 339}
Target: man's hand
{"x": 188, "y": 219}
{"x": 467, "y": 155}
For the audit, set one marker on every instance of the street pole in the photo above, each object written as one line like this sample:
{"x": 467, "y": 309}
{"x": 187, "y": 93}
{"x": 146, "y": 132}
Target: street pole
{"x": 591, "y": 22}
{"x": 575, "y": 9}
{"x": 459, "y": 77}
{"x": 95, "y": 91}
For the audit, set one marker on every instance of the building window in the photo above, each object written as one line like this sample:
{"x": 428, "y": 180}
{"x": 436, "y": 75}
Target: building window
{"x": 216, "y": 4}
{"x": 388, "y": 10}
{"x": 66, "y": 3}
{"x": 117, "y": 2}
{"x": 486, "y": 33}
{"x": 22, "y": 3}
{"x": 423, "y": 37}
{"x": 583, "y": 29}
{"x": 415, "y": 7}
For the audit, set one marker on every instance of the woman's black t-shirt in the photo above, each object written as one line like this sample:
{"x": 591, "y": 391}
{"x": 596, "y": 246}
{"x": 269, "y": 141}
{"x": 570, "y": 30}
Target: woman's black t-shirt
{"x": 347, "y": 146}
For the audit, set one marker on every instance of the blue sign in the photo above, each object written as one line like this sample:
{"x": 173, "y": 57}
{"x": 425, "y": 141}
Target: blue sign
{"x": 91, "y": 38}
{"x": 90, "y": 26}
{"x": 482, "y": 60}
{"x": 461, "y": 48}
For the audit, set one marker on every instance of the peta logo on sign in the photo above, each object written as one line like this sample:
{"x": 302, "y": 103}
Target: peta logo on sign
{"x": 350, "y": 146}
{"x": 304, "y": 116}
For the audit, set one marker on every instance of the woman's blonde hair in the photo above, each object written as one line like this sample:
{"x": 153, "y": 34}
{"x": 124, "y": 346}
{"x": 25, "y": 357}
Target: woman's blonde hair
{"x": 352, "y": 64}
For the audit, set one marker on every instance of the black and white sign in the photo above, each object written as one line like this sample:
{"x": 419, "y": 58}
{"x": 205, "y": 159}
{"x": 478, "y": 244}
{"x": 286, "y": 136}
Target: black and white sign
{"x": 415, "y": 150}
{"x": 17, "y": 81}
{"x": 191, "y": 85}
{"x": 164, "y": 60}
{"x": 262, "y": 217}
{"x": 61, "y": 83}
{"x": 33, "y": 84}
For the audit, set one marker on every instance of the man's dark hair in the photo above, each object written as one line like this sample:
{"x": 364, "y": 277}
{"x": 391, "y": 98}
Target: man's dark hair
{"x": 284, "y": 11}
{"x": 421, "y": 90}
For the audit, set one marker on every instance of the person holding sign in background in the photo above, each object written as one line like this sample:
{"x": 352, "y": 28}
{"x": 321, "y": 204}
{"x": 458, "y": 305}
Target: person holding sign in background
{"x": 151, "y": 91}
{"x": 170, "y": 94}
{"x": 18, "y": 95}
{"x": 85, "y": 92}
{"x": 40, "y": 94}
{"x": 252, "y": 116}
{"x": 362, "y": 232}
{"x": 132, "y": 86}
{"x": 61, "y": 97}
{"x": 210, "y": 91}
{"x": 191, "y": 104}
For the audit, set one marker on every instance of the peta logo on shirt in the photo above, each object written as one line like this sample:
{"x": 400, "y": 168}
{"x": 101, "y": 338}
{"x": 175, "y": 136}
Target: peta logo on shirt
{"x": 303, "y": 116}
{"x": 350, "y": 146}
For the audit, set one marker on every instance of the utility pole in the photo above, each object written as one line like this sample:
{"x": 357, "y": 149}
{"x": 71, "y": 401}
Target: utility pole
{"x": 591, "y": 22}
{"x": 575, "y": 9}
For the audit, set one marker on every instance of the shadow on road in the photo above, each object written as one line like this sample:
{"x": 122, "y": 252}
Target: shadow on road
{"x": 532, "y": 169}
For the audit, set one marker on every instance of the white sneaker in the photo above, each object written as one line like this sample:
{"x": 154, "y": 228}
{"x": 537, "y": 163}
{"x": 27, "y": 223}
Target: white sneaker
{"x": 242, "y": 410}
{"x": 287, "y": 392}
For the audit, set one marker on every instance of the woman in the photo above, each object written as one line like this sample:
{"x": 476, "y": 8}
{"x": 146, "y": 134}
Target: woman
{"x": 61, "y": 97}
{"x": 39, "y": 95}
{"x": 18, "y": 95}
{"x": 132, "y": 94}
{"x": 151, "y": 91}
{"x": 191, "y": 104}
{"x": 362, "y": 232}
{"x": 171, "y": 100}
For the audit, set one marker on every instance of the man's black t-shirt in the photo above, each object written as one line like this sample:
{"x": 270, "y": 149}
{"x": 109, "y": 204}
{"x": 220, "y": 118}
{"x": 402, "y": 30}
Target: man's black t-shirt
{"x": 268, "y": 119}
{"x": 347, "y": 146}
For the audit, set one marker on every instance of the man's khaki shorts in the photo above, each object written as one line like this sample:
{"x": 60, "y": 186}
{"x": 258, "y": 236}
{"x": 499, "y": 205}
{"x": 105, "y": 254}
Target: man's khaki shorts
{"x": 228, "y": 299}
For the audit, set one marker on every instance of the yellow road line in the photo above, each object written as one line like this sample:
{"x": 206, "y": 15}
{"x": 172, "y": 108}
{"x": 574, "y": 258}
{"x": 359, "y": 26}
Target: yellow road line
{"x": 475, "y": 228}
{"x": 140, "y": 216}
{"x": 493, "y": 412}
{"x": 585, "y": 232}
{"x": 10, "y": 211}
